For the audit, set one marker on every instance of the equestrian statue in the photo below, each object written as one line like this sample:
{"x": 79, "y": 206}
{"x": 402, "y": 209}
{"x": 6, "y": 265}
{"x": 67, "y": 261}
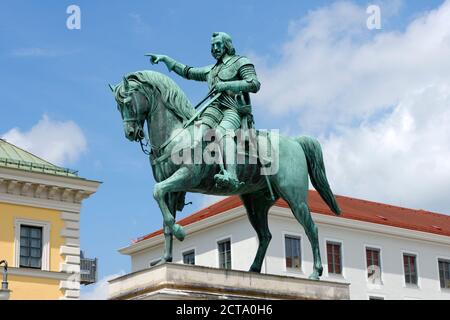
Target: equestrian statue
{"x": 154, "y": 109}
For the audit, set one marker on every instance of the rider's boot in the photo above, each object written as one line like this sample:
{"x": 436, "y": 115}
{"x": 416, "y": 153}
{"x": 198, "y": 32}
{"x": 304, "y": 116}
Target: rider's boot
{"x": 228, "y": 179}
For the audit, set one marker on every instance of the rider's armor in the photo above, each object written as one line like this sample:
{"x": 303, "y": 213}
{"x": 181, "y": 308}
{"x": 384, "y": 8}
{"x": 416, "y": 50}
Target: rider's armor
{"x": 239, "y": 74}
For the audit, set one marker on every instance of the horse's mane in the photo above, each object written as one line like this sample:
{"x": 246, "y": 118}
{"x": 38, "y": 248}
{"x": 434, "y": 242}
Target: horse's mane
{"x": 171, "y": 94}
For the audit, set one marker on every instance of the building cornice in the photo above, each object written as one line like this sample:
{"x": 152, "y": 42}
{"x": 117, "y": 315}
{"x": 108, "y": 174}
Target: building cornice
{"x": 49, "y": 179}
{"x": 44, "y": 190}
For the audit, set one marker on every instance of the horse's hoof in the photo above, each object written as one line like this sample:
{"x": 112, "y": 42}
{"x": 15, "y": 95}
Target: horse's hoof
{"x": 178, "y": 232}
{"x": 157, "y": 262}
{"x": 314, "y": 276}
{"x": 160, "y": 261}
{"x": 255, "y": 269}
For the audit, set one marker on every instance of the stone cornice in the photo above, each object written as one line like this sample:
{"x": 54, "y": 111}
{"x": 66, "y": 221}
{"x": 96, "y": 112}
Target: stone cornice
{"x": 76, "y": 183}
{"x": 44, "y": 190}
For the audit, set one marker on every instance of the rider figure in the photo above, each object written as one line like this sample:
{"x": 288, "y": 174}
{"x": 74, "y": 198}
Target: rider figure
{"x": 235, "y": 77}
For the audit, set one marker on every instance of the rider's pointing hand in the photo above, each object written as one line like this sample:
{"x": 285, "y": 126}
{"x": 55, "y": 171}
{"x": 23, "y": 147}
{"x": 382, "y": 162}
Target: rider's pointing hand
{"x": 155, "y": 58}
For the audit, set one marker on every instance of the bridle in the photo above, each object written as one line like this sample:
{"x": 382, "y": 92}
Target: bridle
{"x": 129, "y": 103}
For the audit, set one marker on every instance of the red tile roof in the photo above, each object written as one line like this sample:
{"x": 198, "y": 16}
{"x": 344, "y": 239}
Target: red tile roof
{"x": 351, "y": 208}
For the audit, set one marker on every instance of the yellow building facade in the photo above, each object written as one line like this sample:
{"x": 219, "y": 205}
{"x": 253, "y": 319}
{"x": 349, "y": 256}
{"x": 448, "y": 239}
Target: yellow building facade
{"x": 40, "y": 207}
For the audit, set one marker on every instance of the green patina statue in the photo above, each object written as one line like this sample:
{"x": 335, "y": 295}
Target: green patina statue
{"x": 153, "y": 99}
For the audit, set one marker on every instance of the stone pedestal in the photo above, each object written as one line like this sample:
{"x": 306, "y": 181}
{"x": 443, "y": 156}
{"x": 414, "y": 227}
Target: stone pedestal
{"x": 181, "y": 281}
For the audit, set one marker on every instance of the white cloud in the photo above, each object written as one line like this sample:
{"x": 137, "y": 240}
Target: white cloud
{"x": 59, "y": 142}
{"x": 378, "y": 100}
{"x": 402, "y": 159}
{"x": 334, "y": 71}
{"x": 99, "y": 290}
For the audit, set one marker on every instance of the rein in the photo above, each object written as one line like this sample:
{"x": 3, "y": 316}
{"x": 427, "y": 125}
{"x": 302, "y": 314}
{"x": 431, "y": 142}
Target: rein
{"x": 143, "y": 147}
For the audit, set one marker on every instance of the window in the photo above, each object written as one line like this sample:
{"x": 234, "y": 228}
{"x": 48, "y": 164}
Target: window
{"x": 444, "y": 273}
{"x": 334, "y": 257}
{"x": 292, "y": 250}
{"x": 224, "y": 254}
{"x": 30, "y": 246}
{"x": 189, "y": 257}
{"x": 409, "y": 263}
{"x": 373, "y": 265}
{"x": 375, "y": 298}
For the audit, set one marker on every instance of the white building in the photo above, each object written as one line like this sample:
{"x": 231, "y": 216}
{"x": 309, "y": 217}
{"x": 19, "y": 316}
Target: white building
{"x": 383, "y": 251}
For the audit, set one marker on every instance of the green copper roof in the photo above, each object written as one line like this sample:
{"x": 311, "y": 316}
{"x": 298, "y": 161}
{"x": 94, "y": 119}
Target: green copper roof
{"x": 12, "y": 156}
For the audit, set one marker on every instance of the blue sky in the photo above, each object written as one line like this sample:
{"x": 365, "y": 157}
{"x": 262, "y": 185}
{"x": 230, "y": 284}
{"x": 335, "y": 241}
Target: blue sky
{"x": 49, "y": 70}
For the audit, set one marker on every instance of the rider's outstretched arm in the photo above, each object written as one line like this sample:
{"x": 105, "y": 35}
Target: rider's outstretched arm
{"x": 198, "y": 74}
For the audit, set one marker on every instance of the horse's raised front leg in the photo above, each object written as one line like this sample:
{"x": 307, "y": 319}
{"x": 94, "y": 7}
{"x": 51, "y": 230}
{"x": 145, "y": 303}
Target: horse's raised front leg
{"x": 180, "y": 180}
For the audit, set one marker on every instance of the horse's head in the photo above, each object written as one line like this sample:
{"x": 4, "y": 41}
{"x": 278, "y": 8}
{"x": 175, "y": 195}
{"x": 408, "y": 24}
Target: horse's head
{"x": 132, "y": 104}
{"x": 153, "y": 97}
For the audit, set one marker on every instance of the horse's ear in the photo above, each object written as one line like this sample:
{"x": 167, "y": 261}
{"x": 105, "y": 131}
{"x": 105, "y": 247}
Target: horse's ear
{"x": 125, "y": 84}
{"x": 111, "y": 87}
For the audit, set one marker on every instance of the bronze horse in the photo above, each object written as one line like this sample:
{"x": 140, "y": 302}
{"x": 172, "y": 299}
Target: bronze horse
{"x": 155, "y": 99}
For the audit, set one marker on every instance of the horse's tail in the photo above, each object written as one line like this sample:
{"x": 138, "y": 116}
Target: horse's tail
{"x": 316, "y": 170}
